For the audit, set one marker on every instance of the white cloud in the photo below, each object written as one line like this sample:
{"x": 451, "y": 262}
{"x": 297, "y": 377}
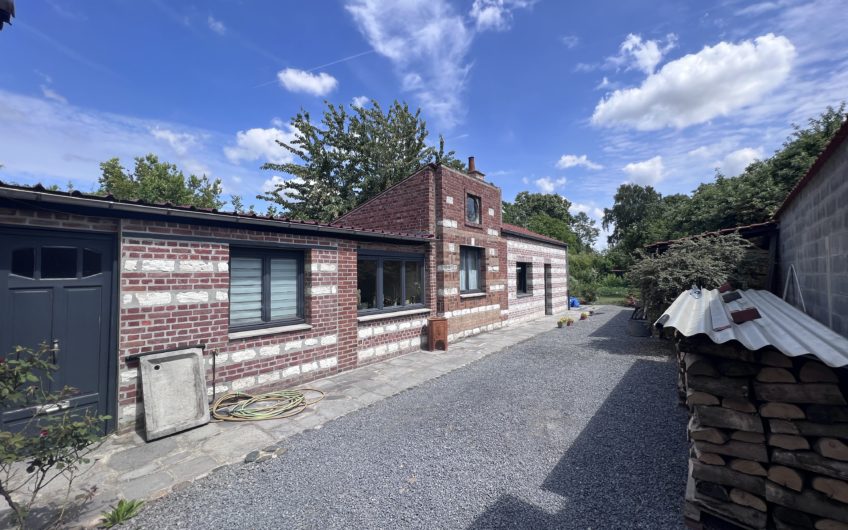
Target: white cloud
{"x": 360, "y": 101}
{"x": 634, "y": 53}
{"x": 295, "y": 80}
{"x": 699, "y": 87}
{"x": 254, "y": 144}
{"x": 570, "y": 41}
{"x": 49, "y": 93}
{"x": 592, "y": 211}
{"x": 179, "y": 142}
{"x": 759, "y": 8}
{"x": 495, "y": 14}
{"x": 216, "y": 25}
{"x": 567, "y": 161}
{"x": 272, "y": 183}
{"x": 736, "y": 162}
{"x": 427, "y": 43}
{"x": 648, "y": 172}
{"x": 549, "y": 185}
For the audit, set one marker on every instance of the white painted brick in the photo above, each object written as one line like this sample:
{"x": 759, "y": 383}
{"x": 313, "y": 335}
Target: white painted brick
{"x": 493, "y": 252}
{"x": 129, "y": 375}
{"x": 192, "y": 297}
{"x": 404, "y": 344}
{"x": 328, "y": 340}
{"x": 451, "y": 247}
{"x": 127, "y": 299}
{"x": 243, "y": 355}
{"x": 449, "y": 291}
{"x": 308, "y": 343}
{"x": 404, "y": 325}
{"x": 492, "y": 232}
{"x": 447, "y": 268}
{"x": 241, "y": 384}
{"x": 323, "y": 267}
{"x": 364, "y": 333}
{"x": 128, "y": 411}
{"x": 153, "y": 298}
{"x": 491, "y": 212}
{"x": 294, "y": 345}
{"x": 223, "y": 266}
{"x": 328, "y": 363}
{"x": 391, "y": 328}
{"x": 269, "y": 351}
{"x": 130, "y": 264}
{"x": 447, "y": 223}
{"x": 379, "y": 330}
{"x": 449, "y": 199}
{"x": 196, "y": 265}
{"x": 494, "y": 268}
{"x": 321, "y": 290}
{"x": 291, "y": 371}
{"x": 365, "y": 354}
{"x": 158, "y": 265}
{"x": 381, "y": 350}
{"x": 222, "y": 296}
{"x": 219, "y": 389}
{"x": 308, "y": 367}
{"x": 268, "y": 378}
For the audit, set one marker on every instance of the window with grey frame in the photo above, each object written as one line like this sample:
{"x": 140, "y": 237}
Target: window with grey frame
{"x": 266, "y": 288}
{"x": 389, "y": 282}
{"x": 470, "y": 274}
{"x": 523, "y": 282}
{"x": 472, "y": 209}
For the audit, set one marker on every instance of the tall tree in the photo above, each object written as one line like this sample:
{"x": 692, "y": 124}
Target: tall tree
{"x": 158, "y": 182}
{"x": 634, "y": 217}
{"x": 545, "y": 213}
{"x": 346, "y": 159}
{"x": 584, "y": 228}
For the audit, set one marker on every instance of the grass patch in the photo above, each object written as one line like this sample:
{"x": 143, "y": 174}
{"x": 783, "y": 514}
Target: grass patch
{"x": 613, "y": 295}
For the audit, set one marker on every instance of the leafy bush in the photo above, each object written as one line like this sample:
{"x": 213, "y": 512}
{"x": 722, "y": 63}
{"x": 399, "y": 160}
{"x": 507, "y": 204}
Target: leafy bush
{"x": 120, "y": 513}
{"x": 707, "y": 262}
{"x": 49, "y": 445}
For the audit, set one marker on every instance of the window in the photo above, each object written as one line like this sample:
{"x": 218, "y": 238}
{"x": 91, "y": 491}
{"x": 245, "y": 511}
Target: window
{"x": 470, "y": 260}
{"x": 23, "y": 262}
{"x": 472, "y": 209}
{"x": 389, "y": 281}
{"x": 266, "y": 288}
{"x": 522, "y": 275}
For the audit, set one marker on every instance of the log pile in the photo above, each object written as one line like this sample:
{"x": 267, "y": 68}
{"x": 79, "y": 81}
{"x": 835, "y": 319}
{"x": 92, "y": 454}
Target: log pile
{"x": 768, "y": 436}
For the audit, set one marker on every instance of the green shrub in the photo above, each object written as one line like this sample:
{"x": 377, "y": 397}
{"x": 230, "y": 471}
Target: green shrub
{"x": 707, "y": 262}
{"x": 49, "y": 445}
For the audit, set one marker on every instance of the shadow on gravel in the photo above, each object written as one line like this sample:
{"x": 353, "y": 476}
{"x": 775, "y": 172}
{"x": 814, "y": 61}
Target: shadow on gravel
{"x": 627, "y": 469}
{"x": 616, "y": 327}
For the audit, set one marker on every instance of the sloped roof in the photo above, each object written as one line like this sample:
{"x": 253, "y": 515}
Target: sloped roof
{"x": 780, "y": 325}
{"x": 825, "y": 155}
{"x": 529, "y": 234}
{"x": 40, "y": 194}
{"x": 751, "y": 230}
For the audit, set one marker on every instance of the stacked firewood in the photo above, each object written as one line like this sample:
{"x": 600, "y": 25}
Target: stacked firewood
{"x": 769, "y": 438}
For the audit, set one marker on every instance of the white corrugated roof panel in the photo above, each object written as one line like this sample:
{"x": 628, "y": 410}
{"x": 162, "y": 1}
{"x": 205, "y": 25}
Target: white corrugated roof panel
{"x": 781, "y": 325}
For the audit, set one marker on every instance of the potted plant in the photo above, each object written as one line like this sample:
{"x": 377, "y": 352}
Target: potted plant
{"x": 569, "y": 321}
{"x": 584, "y": 316}
{"x": 561, "y": 322}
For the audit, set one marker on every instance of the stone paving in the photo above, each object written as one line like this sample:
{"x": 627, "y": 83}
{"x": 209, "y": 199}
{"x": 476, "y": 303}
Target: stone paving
{"x": 125, "y": 466}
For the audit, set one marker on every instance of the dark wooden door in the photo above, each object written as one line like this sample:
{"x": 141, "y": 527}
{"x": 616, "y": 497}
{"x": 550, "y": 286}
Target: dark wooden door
{"x": 549, "y": 291}
{"x": 56, "y": 288}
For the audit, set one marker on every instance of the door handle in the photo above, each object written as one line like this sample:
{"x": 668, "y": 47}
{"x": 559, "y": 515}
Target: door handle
{"x": 55, "y": 350}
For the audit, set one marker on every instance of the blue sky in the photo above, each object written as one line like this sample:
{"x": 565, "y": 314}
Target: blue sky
{"x": 567, "y": 97}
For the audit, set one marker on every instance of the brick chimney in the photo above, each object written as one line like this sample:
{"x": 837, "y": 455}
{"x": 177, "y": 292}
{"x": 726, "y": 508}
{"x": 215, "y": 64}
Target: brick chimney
{"x": 472, "y": 169}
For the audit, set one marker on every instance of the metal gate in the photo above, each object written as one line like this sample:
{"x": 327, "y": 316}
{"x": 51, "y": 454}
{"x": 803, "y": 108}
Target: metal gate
{"x": 57, "y": 288}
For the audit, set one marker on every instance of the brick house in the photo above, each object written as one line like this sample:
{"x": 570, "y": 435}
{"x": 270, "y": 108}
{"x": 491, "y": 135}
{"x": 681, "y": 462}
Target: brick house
{"x": 273, "y": 302}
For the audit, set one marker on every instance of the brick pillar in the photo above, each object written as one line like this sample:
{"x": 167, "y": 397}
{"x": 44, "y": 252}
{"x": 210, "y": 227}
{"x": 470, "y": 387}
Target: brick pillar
{"x": 347, "y": 305}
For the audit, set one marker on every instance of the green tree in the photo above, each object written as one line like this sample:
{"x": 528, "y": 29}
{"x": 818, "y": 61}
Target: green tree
{"x": 346, "y": 159}
{"x": 158, "y": 182}
{"x": 635, "y": 217}
{"x": 585, "y": 230}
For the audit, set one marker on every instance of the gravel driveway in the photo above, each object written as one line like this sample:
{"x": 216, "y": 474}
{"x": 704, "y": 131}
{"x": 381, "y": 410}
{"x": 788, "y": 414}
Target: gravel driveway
{"x": 575, "y": 428}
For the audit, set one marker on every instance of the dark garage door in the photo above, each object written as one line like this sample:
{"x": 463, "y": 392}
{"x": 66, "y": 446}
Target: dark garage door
{"x": 57, "y": 288}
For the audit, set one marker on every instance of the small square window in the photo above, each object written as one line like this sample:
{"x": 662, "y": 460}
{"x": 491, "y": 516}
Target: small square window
{"x": 266, "y": 288}
{"x": 472, "y": 209}
{"x": 470, "y": 264}
{"x": 388, "y": 282}
{"x": 523, "y": 277}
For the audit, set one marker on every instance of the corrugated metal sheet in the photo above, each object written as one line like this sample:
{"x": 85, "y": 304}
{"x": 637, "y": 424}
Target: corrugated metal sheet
{"x": 782, "y": 326}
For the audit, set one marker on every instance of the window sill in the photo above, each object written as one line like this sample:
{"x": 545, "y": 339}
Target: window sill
{"x": 524, "y": 295}
{"x": 392, "y": 314}
{"x": 235, "y": 335}
{"x": 472, "y": 295}
{"x": 478, "y": 226}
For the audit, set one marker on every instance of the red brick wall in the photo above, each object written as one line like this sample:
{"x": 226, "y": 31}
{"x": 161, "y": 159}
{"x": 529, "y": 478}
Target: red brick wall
{"x": 405, "y": 207}
{"x": 469, "y": 315}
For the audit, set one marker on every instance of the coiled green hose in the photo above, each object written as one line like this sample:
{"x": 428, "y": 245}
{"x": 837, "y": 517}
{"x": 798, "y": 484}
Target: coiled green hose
{"x": 238, "y": 406}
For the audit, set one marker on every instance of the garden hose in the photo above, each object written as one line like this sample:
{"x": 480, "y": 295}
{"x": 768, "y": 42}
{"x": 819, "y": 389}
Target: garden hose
{"x": 238, "y": 406}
